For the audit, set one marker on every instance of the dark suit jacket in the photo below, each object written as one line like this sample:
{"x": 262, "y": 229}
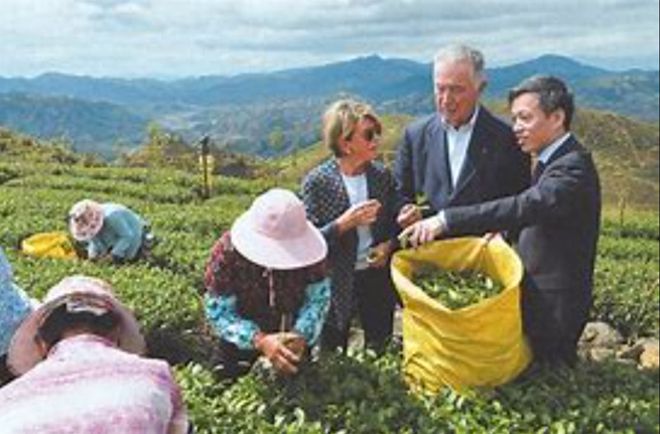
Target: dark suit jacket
{"x": 558, "y": 218}
{"x": 494, "y": 165}
{"x": 325, "y": 198}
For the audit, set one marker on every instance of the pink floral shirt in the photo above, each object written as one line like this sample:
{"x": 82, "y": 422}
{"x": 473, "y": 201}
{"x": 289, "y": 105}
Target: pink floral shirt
{"x": 87, "y": 385}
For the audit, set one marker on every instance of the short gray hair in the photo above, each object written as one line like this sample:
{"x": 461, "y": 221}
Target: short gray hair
{"x": 458, "y": 53}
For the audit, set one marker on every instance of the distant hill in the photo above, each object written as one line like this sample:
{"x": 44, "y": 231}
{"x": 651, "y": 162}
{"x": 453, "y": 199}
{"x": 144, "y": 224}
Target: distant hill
{"x": 93, "y": 127}
{"x": 241, "y": 112}
{"x": 626, "y": 152}
{"x": 633, "y": 92}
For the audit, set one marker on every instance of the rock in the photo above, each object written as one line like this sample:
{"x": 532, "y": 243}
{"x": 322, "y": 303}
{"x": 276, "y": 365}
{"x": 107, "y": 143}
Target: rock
{"x": 630, "y": 352}
{"x": 599, "y": 354}
{"x": 600, "y": 335}
{"x": 356, "y": 338}
{"x": 627, "y": 362}
{"x": 650, "y": 357}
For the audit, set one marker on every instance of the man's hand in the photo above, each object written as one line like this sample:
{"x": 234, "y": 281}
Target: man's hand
{"x": 275, "y": 350}
{"x": 421, "y": 232}
{"x": 409, "y": 214}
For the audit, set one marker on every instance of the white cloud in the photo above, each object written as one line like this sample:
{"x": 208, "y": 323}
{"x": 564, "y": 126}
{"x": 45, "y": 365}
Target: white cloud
{"x": 196, "y": 37}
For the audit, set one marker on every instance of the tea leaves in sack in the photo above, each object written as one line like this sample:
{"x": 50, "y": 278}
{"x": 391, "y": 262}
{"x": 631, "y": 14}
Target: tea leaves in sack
{"x": 456, "y": 289}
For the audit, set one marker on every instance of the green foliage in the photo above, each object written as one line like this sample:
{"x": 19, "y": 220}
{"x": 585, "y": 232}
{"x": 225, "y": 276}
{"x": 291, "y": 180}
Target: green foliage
{"x": 454, "y": 289}
{"x": 356, "y": 394}
{"x": 361, "y": 393}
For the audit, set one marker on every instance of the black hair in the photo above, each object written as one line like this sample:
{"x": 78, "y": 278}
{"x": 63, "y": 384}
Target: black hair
{"x": 60, "y": 320}
{"x": 553, "y": 95}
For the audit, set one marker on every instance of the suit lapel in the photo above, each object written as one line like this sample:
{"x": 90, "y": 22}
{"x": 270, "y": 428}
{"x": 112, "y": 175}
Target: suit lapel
{"x": 570, "y": 145}
{"x": 437, "y": 169}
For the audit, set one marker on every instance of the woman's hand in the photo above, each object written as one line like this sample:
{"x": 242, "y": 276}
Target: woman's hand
{"x": 364, "y": 213}
{"x": 378, "y": 255}
{"x": 275, "y": 350}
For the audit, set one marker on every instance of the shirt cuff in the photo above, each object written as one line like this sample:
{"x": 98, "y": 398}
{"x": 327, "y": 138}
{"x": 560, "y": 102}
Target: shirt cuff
{"x": 442, "y": 220}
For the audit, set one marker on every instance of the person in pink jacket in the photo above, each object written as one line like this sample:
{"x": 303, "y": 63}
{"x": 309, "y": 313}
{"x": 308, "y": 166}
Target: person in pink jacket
{"x": 78, "y": 358}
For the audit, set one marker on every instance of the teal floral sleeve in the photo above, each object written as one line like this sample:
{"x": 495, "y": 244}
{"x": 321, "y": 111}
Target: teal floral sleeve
{"x": 311, "y": 316}
{"x": 230, "y": 326}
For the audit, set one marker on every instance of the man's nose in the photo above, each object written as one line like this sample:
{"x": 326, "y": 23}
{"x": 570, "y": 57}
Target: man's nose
{"x": 517, "y": 127}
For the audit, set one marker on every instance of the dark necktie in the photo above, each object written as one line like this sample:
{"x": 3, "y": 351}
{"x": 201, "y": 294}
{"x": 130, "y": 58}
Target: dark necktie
{"x": 538, "y": 170}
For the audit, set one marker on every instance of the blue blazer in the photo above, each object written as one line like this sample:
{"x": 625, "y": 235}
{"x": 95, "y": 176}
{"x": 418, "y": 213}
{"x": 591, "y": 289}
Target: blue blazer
{"x": 325, "y": 199}
{"x": 558, "y": 219}
{"x": 494, "y": 165}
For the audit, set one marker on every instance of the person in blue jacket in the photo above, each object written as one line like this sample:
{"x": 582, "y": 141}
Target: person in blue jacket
{"x": 111, "y": 230}
{"x": 14, "y": 307}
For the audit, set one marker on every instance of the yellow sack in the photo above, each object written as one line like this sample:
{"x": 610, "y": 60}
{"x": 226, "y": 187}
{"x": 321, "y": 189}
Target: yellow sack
{"x": 49, "y": 245}
{"x": 478, "y": 345}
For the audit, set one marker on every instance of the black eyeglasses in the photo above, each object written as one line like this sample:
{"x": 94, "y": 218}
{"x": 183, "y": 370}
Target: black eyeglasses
{"x": 371, "y": 135}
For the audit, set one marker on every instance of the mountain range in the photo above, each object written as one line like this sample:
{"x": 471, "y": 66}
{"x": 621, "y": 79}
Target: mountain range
{"x": 110, "y": 115}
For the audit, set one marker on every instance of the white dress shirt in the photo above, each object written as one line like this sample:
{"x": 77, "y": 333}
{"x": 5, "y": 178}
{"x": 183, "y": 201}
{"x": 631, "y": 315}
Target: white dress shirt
{"x": 546, "y": 153}
{"x": 356, "y": 187}
{"x": 458, "y": 140}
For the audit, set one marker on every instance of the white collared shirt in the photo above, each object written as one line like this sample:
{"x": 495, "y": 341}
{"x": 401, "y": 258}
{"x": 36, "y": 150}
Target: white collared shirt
{"x": 458, "y": 140}
{"x": 546, "y": 153}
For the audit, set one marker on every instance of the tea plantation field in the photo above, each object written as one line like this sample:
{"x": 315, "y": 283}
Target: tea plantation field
{"x": 358, "y": 393}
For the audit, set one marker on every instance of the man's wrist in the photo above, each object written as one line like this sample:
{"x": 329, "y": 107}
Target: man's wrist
{"x": 442, "y": 222}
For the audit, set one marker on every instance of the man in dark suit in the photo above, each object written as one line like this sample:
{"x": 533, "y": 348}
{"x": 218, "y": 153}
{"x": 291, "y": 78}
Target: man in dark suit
{"x": 559, "y": 219}
{"x": 462, "y": 154}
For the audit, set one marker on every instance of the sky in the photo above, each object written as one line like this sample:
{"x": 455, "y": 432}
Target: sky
{"x": 181, "y": 38}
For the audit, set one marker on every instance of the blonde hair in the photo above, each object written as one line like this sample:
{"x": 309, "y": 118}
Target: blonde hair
{"x": 340, "y": 119}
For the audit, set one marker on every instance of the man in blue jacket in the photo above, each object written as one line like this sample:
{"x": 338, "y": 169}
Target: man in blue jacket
{"x": 461, "y": 154}
{"x": 558, "y": 216}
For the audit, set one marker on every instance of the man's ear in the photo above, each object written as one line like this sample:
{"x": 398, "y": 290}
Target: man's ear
{"x": 483, "y": 85}
{"x": 558, "y": 116}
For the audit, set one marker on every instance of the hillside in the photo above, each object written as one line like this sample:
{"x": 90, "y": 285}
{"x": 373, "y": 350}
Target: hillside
{"x": 242, "y": 111}
{"x": 95, "y": 127}
{"x": 626, "y": 152}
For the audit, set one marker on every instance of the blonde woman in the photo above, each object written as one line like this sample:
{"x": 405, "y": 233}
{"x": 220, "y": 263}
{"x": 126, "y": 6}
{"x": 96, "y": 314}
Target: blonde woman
{"x": 351, "y": 198}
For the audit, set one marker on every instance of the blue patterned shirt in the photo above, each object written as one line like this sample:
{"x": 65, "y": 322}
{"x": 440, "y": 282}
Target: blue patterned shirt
{"x": 231, "y": 327}
{"x": 14, "y": 305}
{"x": 121, "y": 234}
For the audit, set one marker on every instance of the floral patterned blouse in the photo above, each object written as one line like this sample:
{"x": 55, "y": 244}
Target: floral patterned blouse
{"x": 243, "y": 298}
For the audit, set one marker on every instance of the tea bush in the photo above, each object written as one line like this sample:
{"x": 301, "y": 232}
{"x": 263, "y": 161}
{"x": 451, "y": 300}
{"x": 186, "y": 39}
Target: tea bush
{"x": 358, "y": 393}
